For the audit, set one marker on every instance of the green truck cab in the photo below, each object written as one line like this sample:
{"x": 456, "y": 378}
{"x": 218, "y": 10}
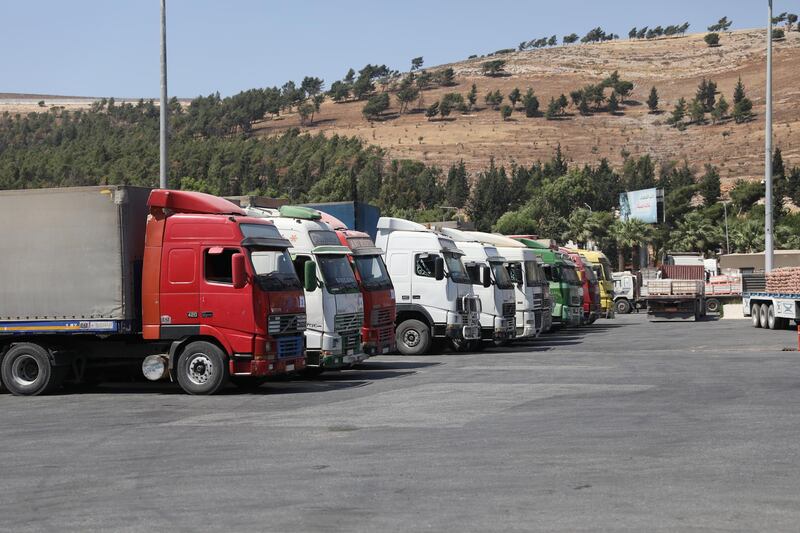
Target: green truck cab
{"x": 565, "y": 285}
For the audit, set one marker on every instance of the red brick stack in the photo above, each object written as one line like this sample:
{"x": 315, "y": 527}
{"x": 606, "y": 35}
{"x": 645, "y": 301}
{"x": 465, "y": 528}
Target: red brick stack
{"x": 784, "y": 281}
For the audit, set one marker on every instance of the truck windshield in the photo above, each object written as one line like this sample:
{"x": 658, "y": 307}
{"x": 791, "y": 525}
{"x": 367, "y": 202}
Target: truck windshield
{"x": 515, "y": 272}
{"x": 607, "y": 272}
{"x": 274, "y": 269}
{"x": 501, "y": 277}
{"x": 590, "y": 275}
{"x": 456, "y": 268}
{"x": 570, "y": 275}
{"x": 552, "y": 273}
{"x": 337, "y": 274}
{"x": 534, "y": 272}
{"x": 372, "y": 272}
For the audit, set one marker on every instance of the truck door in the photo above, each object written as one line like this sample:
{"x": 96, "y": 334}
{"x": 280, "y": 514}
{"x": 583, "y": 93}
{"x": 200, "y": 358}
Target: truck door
{"x": 426, "y": 290}
{"x": 179, "y": 299}
{"x": 221, "y": 304}
{"x": 398, "y": 264}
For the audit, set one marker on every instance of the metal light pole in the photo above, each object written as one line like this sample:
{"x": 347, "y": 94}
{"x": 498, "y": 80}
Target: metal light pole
{"x": 727, "y": 241}
{"x": 164, "y": 104}
{"x": 768, "y": 150}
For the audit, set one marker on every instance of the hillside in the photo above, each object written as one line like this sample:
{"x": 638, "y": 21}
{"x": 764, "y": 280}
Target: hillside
{"x": 674, "y": 65}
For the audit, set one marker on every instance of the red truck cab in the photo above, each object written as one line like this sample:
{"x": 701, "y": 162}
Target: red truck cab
{"x": 591, "y": 287}
{"x": 380, "y": 311}
{"x": 210, "y": 271}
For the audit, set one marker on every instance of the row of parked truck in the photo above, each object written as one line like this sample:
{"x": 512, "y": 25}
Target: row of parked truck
{"x": 203, "y": 290}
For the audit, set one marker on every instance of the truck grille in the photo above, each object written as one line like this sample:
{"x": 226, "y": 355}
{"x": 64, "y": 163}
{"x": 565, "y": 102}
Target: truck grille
{"x": 350, "y": 342}
{"x": 538, "y": 302}
{"x": 279, "y": 324}
{"x": 509, "y": 310}
{"x": 291, "y": 346}
{"x": 385, "y": 336}
{"x": 575, "y": 300}
{"x": 348, "y": 322}
{"x": 382, "y": 316}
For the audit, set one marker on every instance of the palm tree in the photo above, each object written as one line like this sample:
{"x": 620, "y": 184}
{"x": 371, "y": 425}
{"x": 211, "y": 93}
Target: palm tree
{"x": 696, "y": 233}
{"x": 747, "y": 236}
{"x": 629, "y": 235}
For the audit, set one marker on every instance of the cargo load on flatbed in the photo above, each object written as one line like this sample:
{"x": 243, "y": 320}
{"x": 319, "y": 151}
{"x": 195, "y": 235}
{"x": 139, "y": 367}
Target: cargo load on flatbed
{"x": 678, "y": 295}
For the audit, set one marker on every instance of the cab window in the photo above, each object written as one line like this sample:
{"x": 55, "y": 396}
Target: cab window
{"x": 425, "y": 265}
{"x": 217, "y": 265}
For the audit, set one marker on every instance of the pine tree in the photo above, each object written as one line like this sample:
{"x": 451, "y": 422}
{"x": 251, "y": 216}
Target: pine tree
{"x": 709, "y": 186}
{"x": 720, "y": 110}
{"x": 613, "y": 103}
{"x": 530, "y": 103}
{"x": 678, "y": 113}
{"x": 552, "y": 109}
{"x": 457, "y": 186}
{"x": 652, "y": 100}
{"x": 432, "y": 111}
{"x": 505, "y": 112}
{"x": 514, "y": 97}
{"x": 490, "y": 197}
{"x": 472, "y": 96}
{"x": 742, "y": 106}
{"x": 697, "y": 112}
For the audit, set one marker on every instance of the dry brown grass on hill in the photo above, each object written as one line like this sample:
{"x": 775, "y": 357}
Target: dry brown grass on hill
{"x": 674, "y": 65}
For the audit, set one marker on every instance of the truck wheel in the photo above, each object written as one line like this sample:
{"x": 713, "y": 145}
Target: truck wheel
{"x": 27, "y": 370}
{"x": 755, "y": 315}
{"x": 762, "y": 315}
{"x": 622, "y": 307}
{"x": 712, "y": 305}
{"x": 202, "y": 368}
{"x": 772, "y": 322}
{"x": 413, "y": 338}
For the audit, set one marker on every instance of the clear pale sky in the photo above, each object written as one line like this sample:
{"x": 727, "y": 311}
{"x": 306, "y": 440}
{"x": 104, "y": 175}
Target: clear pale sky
{"x": 111, "y": 47}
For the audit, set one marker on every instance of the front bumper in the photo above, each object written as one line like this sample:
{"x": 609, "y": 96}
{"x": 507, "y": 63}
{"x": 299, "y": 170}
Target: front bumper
{"x": 378, "y": 340}
{"x": 264, "y": 368}
{"x": 528, "y": 324}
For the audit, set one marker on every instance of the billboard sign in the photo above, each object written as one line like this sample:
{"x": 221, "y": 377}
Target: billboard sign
{"x": 640, "y": 205}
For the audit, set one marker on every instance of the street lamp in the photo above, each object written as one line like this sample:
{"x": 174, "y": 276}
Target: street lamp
{"x": 164, "y": 114}
{"x": 768, "y": 149}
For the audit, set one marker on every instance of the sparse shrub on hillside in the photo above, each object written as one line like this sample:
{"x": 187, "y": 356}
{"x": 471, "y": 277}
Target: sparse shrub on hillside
{"x": 495, "y": 67}
{"x": 339, "y": 91}
{"x": 571, "y": 38}
{"x": 778, "y": 34}
{"x": 552, "y": 41}
{"x": 553, "y": 109}
{"x": 432, "y": 111}
{"x": 712, "y": 39}
{"x": 530, "y": 103}
{"x": 505, "y": 112}
{"x": 407, "y": 93}
{"x": 652, "y": 100}
{"x": 494, "y": 99}
{"x": 632, "y": 34}
{"x": 375, "y": 106}
{"x": 514, "y": 97}
{"x": 791, "y": 18}
{"x": 613, "y": 103}
{"x": 451, "y": 101}
{"x": 446, "y": 77}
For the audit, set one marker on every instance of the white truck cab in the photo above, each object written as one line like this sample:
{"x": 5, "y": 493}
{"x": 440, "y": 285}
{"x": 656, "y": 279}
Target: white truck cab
{"x": 491, "y": 283}
{"x": 432, "y": 288}
{"x": 532, "y": 289}
{"x": 335, "y": 312}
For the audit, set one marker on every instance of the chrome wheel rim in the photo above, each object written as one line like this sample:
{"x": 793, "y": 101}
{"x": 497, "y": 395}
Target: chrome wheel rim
{"x": 200, "y": 369}
{"x": 411, "y": 338}
{"x": 25, "y": 370}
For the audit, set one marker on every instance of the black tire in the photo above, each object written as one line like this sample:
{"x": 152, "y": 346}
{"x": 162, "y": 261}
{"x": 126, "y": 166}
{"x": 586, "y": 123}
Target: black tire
{"x": 772, "y": 321}
{"x": 28, "y": 371}
{"x": 248, "y": 383}
{"x": 755, "y": 315}
{"x": 713, "y": 305}
{"x": 622, "y": 307}
{"x": 413, "y": 338}
{"x": 762, "y": 315}
{"x": 202, "y": 368}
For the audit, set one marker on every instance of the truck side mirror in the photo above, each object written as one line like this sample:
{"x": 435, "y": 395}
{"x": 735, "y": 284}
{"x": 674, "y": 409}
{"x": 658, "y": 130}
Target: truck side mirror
{"x": 438, "y": 268}
{"x": 486, "y": 276}
{"x": 239, "y": 272}
{"x": 310, "y": 275}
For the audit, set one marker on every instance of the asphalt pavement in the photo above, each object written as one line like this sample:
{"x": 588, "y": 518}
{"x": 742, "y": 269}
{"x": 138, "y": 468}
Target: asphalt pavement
{"x": 621, "y": 426}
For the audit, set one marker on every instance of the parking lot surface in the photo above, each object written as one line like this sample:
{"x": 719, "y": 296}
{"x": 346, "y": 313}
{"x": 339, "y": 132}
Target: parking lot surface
{"x": 624, "y": 425}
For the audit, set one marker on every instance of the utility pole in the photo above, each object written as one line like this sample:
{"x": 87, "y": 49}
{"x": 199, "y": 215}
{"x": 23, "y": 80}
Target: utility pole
{"x": 768, "y": 150}
{"x": 164, "y": 103}
{"x": 727, "y": 241}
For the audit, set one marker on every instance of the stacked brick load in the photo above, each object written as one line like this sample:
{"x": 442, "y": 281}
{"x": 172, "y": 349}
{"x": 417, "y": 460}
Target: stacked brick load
{"x": 784, "y": 281}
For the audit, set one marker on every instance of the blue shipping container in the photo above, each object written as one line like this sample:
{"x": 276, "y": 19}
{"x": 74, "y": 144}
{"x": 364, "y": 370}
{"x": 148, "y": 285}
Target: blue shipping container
{"x": 357, "y": 216}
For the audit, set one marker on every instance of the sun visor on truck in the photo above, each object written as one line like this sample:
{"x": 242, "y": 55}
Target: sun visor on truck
{"x": 266, "y": 242}
{"x": 331, "y": 250}
{"x": 193, "y": 202}
{"x": 367, "y": 250}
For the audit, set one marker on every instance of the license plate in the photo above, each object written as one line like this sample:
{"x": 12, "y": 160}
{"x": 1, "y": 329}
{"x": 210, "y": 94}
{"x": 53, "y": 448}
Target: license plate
{"x": 289, "y": 368}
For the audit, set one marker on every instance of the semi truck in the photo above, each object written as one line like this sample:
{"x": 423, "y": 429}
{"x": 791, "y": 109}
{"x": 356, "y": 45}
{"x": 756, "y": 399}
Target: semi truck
{"x": 435, "y": 301}
{"x": 336, "y": 311}
{"x": 679, "y": 293}
{"x": 491, "y": 283}
{"x": 604, "y": 273}
{"x": 182, "y": 284}
{"x": 532, "y": 287}
{"x": 767, "y": 308}
{"x": 377, "y": 331}
{"x": 565, "y": 287}
{"x": 591, "y": 287}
